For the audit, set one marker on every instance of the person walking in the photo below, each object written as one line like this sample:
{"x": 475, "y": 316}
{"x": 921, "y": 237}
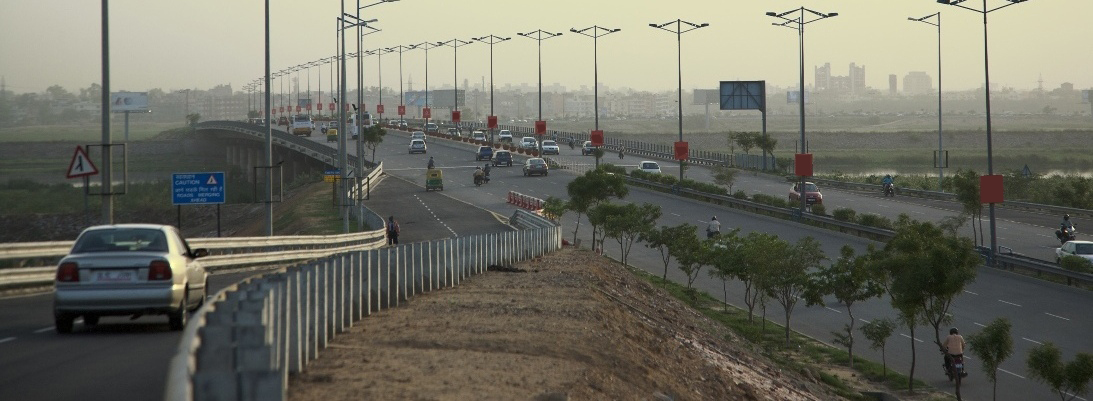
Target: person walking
{"x": 392, "y": 231}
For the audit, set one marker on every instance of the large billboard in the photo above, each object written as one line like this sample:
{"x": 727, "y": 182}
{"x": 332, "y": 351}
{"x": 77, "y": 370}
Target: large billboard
{"x": 743, "y": 95}
{"x": 121, "y": 102}
{"x": 791, "y": 97}
{"x": 705, "y": 96}
{"x": 441, "y": 99}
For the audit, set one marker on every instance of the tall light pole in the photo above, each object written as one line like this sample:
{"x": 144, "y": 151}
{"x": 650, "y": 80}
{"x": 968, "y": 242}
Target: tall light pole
{"x": 455, "y": 44}
{"x": 596, "y": 32}
{"x": 987, "y": 92}
{"x": 804, "y": 17}
{"x": 401, "y": 95}
{"x": 379, "y": 78}
{"x": 539, "y": 38}
{"x": 425, "y": 46}
{"x": 940, "y": 156}
{"x": 681, "y": 27}
{"x": 491, "y": 40}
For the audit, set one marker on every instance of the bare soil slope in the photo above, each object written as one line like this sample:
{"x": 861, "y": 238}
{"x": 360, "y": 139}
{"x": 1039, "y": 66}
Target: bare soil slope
{"x": 571, "y": 325}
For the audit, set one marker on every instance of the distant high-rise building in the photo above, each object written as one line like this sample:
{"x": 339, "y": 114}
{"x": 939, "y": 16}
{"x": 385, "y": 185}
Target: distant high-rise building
{"x": 823, "y": 77}
{"x": 852, "y": 83}
{"x": 893, "y": 84}
{"x": 917, "y": 83}
{"x": 857, "y": 79}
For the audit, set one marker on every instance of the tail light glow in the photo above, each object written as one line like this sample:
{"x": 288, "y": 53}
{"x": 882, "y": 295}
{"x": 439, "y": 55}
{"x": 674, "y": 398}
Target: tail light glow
{"x": 159, "y": 270}
{"x": 68, "y": 272}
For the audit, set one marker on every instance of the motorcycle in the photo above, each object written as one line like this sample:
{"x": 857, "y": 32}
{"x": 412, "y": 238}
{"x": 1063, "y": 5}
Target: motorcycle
{"x": 954, "y": 365}
{"x": 1065, "y": 233}
{"x": 479, "y": 180}
{"x": 889, "y": 190}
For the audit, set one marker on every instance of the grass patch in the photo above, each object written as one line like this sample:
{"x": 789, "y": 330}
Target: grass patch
{"x": 806, "y": 355}
{"x": 86, "y": 132}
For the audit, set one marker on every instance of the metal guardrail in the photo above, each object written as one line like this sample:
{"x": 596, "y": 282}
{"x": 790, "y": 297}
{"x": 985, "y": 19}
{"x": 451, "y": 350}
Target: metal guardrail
{"x": 243, "y": 344}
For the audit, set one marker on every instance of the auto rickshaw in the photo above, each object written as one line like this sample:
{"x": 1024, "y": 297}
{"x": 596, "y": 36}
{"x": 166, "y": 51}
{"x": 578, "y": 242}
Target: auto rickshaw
{"x": 332, "y": 135}
{"x": 434, "y": 179}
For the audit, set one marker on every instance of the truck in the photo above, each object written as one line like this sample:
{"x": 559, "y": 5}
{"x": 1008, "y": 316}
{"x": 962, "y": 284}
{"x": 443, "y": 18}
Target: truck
{"x": 302, "y": 125}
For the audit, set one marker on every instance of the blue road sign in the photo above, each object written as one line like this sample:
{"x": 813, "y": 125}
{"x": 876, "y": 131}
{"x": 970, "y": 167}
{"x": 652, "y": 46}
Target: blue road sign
{"x": 197, "y": 188}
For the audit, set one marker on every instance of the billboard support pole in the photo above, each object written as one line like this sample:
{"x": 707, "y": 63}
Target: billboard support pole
{"x": 127, "y": 126}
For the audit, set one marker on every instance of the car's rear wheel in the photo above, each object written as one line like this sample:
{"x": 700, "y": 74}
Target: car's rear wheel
{"x": 90, "y": 320}
{"x": 63, "y": 322}
{"x": 177, "y": 318}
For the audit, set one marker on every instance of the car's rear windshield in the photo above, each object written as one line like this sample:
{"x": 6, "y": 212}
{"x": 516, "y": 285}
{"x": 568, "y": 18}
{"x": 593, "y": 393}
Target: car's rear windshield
{"x": 1083, "y": 249}
{"x": 303, "y": 118}
{"x": 121, "y": 239}
{"x": 649, "y": 165}
{"x": 811, "y": 188}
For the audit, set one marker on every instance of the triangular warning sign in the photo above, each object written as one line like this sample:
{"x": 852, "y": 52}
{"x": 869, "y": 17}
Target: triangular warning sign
{"x": 81, "y": 165}
{"x": 212, "y": 180}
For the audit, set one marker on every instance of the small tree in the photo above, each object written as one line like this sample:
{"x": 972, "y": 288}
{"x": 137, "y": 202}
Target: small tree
{"x": 850, "y": 279}
{"x": 690, "y": 257}
{"x": 877, "y": 332}
{"x": 725, "y": 176}
{"x": 746, "y": 141}
{"x": 593, "y": 187}
{"x": 372, "y": 137}
{"x": 1068, "y": 380}
{"x": 667, "y": 240}
{"x": 966, "y": 187}
{"x": 192, "y": 119}
{"x": 767, "y": 143}
{"x": 555, "y": 208}
{"x": 724, "y": 256}
{"x": 627, "y": 223}
{"x": 788, "y": 277}
{"x": 755, "y": 250}
{"x": 991, "y": 346}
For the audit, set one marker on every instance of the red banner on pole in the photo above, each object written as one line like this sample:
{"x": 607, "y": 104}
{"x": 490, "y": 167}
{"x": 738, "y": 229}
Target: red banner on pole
{"x": 309, "y": 107}
{"x": 347, "y": 107}
{"x": 426, "y": 113}
{"x": 540, "y": 128}
{"x": 331, "y": 106}
{"x": 802, "y": 164}
{"x": 681, "y": 150}
{"x": 401, "y": 110}
{"x": 362, "y": 108}
{"x": 990, "y": 189}
{"x": 320, "y": 106}
{"x": 596, "y": 138}
{"x": 379, "y": 108}
{"x": 282, "y": 109}
{"x": 491, "y": 122}
{"x": 298, "y": 109}
{"x": 455, "y": 117}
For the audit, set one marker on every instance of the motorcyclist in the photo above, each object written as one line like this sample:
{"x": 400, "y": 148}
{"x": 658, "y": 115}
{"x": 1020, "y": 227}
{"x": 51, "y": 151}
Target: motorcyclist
{"x": 713, "y": 228}
{"x": 431, "y": 165}
{"x": 887, "y": 181}
{"x": 486, "y": 172}
{"x": 1066, "y": 229}
{"x": 620, "y": 153}
{"x": 479, "y": 175}
{"x": 954, "y": 347}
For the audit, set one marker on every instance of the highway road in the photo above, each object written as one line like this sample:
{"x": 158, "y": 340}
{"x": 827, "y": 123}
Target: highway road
{"x": 1039, "y": 311}
{"x": 127, "y": 360}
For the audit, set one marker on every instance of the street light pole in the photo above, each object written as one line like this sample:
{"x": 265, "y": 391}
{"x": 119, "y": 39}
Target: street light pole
{"x": 940, "y": 161}
{"x": 801, "y": 22}
{"x": 401, "y": 96}
{"x": 539, "y": 38}
{"x": 455, "y": 44}
{"x": 679, "y": 31}
{"x": 987, "y": 91}
{"x": 595, "y": 35}
{"x": 426, "y": 46}
{"x": 491, "y": 40}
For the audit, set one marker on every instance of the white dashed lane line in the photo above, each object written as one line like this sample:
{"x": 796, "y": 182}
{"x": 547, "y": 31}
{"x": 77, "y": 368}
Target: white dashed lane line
{"x": 1060, "y": 317}
{"x": 1006, "y": 371}
{"x": 39, "y": 331}
{"x": 676, "y": 214}
{"x": 970, "y": 292}
{"x": 833, "y": 310}
{"x": 434, "y": 215}
{"x": 1010, "y": 303}
{"x": 909, "y": 337}
{"x": 4, "y": 340}
{"x": 1032, "y": 341}
{"x": 979, "y": 324}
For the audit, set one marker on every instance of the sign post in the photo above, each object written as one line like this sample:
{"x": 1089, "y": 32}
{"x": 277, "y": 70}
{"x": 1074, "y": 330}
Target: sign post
{"x": 198, "y": 189}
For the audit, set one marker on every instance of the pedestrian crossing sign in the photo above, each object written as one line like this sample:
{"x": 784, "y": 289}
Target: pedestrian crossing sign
{"x": 81, "y": 165}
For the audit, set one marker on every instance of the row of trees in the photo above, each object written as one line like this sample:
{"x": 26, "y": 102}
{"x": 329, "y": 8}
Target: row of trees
{"x": 921, "y": 271}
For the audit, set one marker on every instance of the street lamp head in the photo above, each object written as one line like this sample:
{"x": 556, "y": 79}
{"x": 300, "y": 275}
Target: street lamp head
{"x": 704, "y": 25}
{"x": 574, "y": 30}
{"x": 943, "y": 2}
{"x": 616, "y": 29}
{"x": 829, "y": 15}
{"x": 772, "y": 13}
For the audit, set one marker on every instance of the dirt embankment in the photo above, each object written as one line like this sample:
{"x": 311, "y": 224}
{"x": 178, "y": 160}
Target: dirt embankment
{"x": 571, "y": 325}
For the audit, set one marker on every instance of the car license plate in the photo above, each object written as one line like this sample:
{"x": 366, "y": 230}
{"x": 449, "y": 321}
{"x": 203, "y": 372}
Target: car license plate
{"x": 114, "y": 276}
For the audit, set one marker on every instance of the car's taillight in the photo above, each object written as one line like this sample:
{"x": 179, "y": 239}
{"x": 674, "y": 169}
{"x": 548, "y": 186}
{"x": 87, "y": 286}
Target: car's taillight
{"x": 68, "y": 272}
{"x": 159, "y": 270}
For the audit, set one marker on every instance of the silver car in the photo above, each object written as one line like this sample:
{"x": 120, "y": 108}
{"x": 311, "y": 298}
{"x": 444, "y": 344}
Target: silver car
{"x": 129, "y": 269}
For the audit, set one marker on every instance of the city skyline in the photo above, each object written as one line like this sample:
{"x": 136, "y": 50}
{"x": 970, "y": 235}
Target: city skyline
{"x": 155, "y": 45}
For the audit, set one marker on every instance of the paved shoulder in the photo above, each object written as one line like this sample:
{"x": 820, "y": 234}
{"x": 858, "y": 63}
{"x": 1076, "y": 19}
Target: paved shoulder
{"x": 425, "y": 216}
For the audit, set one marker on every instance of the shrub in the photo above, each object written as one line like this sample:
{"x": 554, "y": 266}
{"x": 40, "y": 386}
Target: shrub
{"x": 1076, "y": 263}
{"x": 819, "y": 210}
{"x": 611, "y": 168}
{"x": 844, "y": 214}
{"x": 874, "y": 220}
{"x": 739, "y": 194}
{"x": 769, "y": 200}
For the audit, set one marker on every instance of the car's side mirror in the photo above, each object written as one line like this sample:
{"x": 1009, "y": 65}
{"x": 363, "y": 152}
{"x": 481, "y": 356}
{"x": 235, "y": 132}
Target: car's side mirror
{"x": 200, "y": 252}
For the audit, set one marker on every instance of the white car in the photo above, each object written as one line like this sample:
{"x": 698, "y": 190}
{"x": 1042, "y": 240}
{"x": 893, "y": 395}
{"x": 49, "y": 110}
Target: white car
{"x": 551, "y": 148}
{"x": 1083, "y": 249}
{"x": 504, "y": 136}
{"x": 478, "y": 135}
{"x": 129, "y": 270}
{"x": 649, "y": 166}
{"x": 417, "y": 146}
{"x": 418, "y": 135}
{"x": 528, "y": 142}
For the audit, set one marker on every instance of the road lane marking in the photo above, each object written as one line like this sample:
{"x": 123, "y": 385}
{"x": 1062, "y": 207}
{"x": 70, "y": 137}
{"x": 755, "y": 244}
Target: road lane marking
{"x": 4, "y": 340}
{"x": 910, "y": 337}
{"x": 970, "y": 292}
{"x": 677, "y": 215}
{"x": 979, "y": 324}
{"x": 833, "y": 310}
{"x": 863, "y": 320}
{"x": 1060, "y": 317}
{"x": 39, "y": 331}
{"x": 1074, "y": 396}
{"x": 1032, "y": 341}
{"x": 1003, "y": 370}
{"x": 1011, "y": 303}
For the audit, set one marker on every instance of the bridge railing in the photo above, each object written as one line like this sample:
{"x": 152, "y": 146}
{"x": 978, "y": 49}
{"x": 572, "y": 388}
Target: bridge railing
{"x": 243, "y": 344}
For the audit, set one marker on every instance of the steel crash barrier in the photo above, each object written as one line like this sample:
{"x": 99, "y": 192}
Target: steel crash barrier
{"x": 224, "y": 253}
{"x": 243, "y": 344}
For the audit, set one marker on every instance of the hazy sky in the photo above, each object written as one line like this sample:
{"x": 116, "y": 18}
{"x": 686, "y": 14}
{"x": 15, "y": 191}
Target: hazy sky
{"x": 202, "y": 43}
